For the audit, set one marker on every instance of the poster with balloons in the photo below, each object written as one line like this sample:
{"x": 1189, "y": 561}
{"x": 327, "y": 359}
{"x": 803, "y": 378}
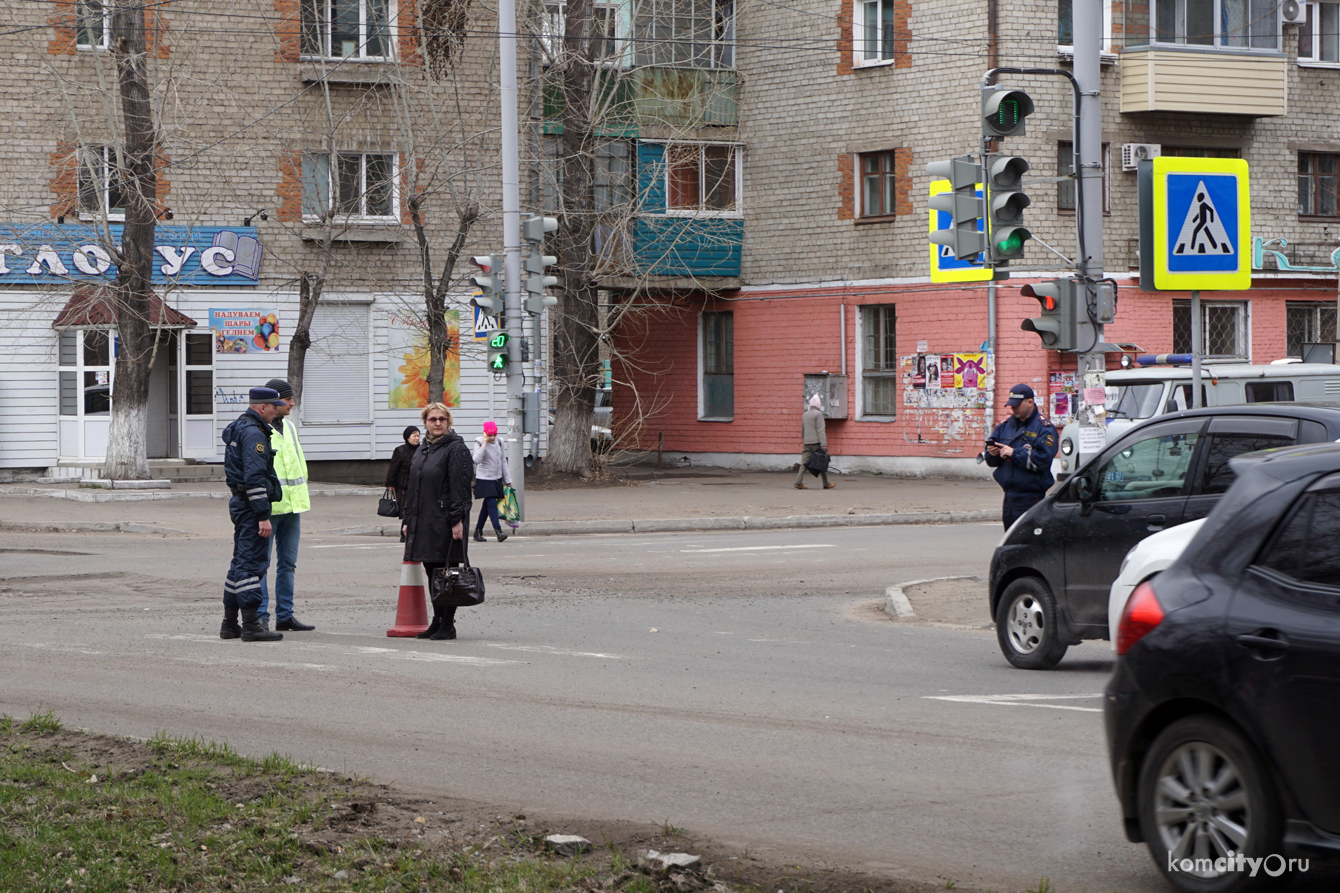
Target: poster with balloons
{"x": 244, "y": 331}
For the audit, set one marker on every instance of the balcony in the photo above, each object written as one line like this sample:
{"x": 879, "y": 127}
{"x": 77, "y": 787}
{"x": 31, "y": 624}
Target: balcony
{"x": 634, "y": 101}
{"x": 1210, "y": 80}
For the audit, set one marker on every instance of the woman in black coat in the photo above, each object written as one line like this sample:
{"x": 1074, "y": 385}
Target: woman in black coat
{"x": 436, "y": 506}
{"x": 397, "y": 476}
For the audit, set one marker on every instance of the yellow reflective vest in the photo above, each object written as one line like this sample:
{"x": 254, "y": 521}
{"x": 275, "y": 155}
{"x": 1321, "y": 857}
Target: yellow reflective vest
{"x": 291, "y": 469}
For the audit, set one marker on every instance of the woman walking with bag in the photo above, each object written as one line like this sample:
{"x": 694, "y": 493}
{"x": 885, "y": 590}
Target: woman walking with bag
{"x": 436, "y": 505}
{"x": 397, "y": 474}
{"x": 491, "y": 474}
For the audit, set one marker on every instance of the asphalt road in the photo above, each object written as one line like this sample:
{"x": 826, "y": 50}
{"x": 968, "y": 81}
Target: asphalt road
{"x": 740, "y": 684}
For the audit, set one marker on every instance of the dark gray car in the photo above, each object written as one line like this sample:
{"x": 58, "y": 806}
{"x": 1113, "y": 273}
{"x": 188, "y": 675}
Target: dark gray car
{"x": 1051, "y": 574}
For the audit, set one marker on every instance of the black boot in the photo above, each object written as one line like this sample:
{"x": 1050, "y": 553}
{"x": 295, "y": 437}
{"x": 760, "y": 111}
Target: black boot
{"x": 230, "y": 629}
{"x": 432, "y": 628}
{"x": 252, "y": 631}
{"x": 479, "y": 535}
{"x": 294, "y": 624}
{"x": 501, "y": 536}
{"x": 447, "y": 631}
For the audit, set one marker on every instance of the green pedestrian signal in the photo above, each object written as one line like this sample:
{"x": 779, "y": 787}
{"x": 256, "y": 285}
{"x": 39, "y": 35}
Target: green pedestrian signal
{"x": 498, "y": 358}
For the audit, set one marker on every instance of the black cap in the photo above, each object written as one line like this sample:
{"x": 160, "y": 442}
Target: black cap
{"x": 280, "y": 387}
{"x": 1018, "y": 394}
{"x": 265, "y": 395}
{"x": 412, "y": 429}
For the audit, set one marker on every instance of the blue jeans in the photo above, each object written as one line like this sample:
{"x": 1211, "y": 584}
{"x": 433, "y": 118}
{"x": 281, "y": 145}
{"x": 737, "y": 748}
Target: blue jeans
{"x": 286, "y": 530}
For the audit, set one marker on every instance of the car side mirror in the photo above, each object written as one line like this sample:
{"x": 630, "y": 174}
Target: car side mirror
{"x": 1082, "y": 488}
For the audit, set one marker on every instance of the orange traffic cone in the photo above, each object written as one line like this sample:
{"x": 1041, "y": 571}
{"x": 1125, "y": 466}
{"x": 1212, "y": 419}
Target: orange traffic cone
{"x": 411, "y": 614}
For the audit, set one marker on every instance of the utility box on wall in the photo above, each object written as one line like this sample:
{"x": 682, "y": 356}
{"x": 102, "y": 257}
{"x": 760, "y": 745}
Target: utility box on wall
{"x": 832, "y": 389}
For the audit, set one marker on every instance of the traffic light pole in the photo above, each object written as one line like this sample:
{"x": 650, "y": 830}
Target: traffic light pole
{"x": 511, "y": 205}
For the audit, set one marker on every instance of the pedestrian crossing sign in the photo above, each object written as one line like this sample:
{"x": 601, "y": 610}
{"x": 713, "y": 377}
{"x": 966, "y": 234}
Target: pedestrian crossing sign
{"x": 944, "y": 266}
{"x": 1201, "y": 224}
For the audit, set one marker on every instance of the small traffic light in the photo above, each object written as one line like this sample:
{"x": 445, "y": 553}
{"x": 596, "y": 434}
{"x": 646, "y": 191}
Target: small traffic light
{"x": 536, "y": 282}
{"x": 498, "y": 355}
{"x": 1057, "y": 325}
{"x": 534, "y": 228}
{"x": 489, "y": 281}
{"x": 1004, "y": 111}
{"x": 1006, "y": 202}
{"x": 963, "y": 204}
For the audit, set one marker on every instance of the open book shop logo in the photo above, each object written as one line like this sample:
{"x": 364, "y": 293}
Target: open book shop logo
{"x": 47, "y": 253}
{"x": 1273, "y": 865}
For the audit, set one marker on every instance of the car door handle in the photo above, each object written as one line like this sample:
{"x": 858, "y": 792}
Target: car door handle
{"x": 1266, "y": 644}
{"x": 1156, "y": 522}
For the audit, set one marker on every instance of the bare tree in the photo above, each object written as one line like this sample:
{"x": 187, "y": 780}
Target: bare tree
{"x": 127, "y": 454}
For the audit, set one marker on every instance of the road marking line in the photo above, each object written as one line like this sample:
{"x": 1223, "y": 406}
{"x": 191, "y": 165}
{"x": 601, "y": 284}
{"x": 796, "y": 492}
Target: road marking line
{"x": 1019, "y": 700}
{"x": 546, "y": 649}
{"x": 764, "y": 548}
{"x": 395, "y": 545}
{"x": 393, "y": 653}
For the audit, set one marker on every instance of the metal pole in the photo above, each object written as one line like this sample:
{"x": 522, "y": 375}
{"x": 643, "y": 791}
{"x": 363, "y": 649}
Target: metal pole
{"x": 1195, "y": 350}
{"x": 511, "y": 204}
{"x": 1088, "y": 34}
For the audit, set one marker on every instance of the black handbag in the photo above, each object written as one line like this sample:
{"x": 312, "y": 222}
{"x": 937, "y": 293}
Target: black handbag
{"x": 387, "y": 507}
{"x": 461, "y": 587}
{"x": 817, "y": 463}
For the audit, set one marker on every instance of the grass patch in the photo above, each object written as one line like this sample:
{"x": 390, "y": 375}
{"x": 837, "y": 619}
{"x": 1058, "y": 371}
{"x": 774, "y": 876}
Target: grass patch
{"x": 184, "y": 815}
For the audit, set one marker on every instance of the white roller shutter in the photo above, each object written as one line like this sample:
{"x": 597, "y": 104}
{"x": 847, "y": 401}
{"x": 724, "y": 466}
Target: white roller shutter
{"x": 336, "y": 381}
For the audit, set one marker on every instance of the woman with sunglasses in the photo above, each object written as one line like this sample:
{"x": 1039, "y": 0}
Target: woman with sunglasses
{"x": 436, "y": 505}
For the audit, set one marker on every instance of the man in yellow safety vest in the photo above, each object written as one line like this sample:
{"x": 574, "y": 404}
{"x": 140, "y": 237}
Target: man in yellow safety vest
{"x": 285, "y": 515}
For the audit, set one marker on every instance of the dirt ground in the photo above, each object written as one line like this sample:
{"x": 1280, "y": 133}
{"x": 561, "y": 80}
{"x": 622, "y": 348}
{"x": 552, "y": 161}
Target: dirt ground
{"x": 959, "y": 603}
{"x": 380, "y": 812}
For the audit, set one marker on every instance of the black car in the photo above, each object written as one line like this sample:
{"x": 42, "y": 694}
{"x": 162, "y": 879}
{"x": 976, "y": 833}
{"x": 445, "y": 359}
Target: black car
{"x": 1223, "y": 712}
{"x": 1051, "y": 574}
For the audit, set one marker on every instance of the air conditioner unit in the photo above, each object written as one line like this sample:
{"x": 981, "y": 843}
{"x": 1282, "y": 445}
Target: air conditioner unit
{"x": 1134, "y": 153}
{"x": 1293, "y": 12}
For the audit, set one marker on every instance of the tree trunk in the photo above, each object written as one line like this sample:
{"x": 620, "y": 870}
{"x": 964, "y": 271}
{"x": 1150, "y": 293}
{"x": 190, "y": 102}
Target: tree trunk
{"x": 310, "y": 287}
{"x": 576, "y": 354}
{"x": 127, "y": 441}
{"x": 435, "y": 296}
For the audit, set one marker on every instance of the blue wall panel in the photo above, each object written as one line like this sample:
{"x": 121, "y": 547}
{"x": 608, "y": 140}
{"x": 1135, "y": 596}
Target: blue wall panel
{"x": 679, "y": 246}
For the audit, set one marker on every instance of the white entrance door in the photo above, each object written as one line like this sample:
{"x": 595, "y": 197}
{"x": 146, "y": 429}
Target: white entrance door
{"x": 196, "y": 395}
{"x": 86, "y": 365}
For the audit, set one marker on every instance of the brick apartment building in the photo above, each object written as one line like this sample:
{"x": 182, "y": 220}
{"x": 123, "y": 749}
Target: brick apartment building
{"x": 841, "y": 106}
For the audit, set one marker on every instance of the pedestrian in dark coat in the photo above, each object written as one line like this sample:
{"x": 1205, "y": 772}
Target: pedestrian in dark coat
{"x": 436, "y": 506}
{"x": 397, "y": 475}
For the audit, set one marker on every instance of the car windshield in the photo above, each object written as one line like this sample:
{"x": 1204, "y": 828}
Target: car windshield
{"x": 1134, "y": 401}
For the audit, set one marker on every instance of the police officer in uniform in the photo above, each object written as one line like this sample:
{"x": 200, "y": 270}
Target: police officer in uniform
{"x": 1021, "y": 450}
{"x": 249, "y": 465}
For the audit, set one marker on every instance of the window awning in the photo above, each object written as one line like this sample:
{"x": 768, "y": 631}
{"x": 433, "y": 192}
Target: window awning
{"x": 92, "y": 305}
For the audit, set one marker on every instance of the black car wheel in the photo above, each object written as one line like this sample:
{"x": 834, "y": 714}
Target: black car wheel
{"x": 1203, "y": 798}
{"x": 1026, "y": 625}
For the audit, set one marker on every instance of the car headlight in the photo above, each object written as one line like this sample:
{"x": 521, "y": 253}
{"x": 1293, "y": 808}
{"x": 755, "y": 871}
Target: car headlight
{"x": 1067, "y": 447}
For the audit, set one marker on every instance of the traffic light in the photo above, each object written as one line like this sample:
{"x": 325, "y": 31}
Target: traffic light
{"x": 1006, "y": 201}
{"x": 1057, "y": 325}
{"x": 536, "y": 282}
{"x": 498, "y": 352}
{"x": 534, "y": 228}
{"x": 1004, "y": 111}
{"x": 489, "y": 281}
{"x": 963, "y": 204}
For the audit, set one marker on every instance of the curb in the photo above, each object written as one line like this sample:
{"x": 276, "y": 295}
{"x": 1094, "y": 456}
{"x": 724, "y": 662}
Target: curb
{"x": 100, "y": 526}
{"x": 86, "y": 494}
{"x": 679, "y": 525}
{"x": 896, "y": 604}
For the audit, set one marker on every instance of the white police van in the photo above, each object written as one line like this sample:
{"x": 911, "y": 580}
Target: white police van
{"x": 1135, "y": 395}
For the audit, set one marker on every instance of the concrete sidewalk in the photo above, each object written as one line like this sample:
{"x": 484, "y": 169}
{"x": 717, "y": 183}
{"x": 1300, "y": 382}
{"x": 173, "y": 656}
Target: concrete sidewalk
{"x": 637, "y": 499}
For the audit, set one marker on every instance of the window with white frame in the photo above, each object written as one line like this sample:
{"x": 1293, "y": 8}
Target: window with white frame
{"x": 85, "y": 362}
{"x": 702, "y": 179}
{"x": 1307, "y": 322}
{"x": 879, "y": 361}
{"x": 1223, "y": 329}
{"x": 102, "y": 191}
{"x": 92, "y": 25}
{"x": 613, "y": 187}
{"x": 1065, "y": 35}
{"x": 1229, "y": 24}
{"x": 360, "y": 185}
{"x": 1319, "y": 35}
{"x": 695, "y": 33}
{"x": 873, "y": 32}
{"x": 1065, "y": 167}
{"x": 346, "y": 29}
{"x": 718, "y": 364}
{"x": 612, "y": 24}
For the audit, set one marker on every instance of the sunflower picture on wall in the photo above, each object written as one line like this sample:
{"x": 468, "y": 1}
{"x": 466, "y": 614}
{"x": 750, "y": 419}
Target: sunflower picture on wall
{"x": 407, "y": 369}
